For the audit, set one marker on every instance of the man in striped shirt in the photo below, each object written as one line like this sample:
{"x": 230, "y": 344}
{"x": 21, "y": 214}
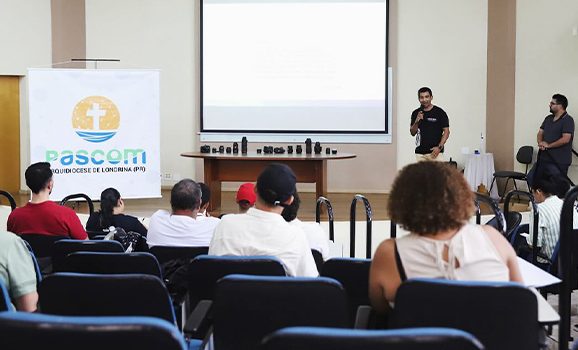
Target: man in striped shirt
{"x": 546, "y": 192}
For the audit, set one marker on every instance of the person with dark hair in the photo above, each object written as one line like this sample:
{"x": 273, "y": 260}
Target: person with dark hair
{"x": 182, "y": 227}
{"x": 441, "y": 243}
{"x": 430, "y": 125}
{"x": 203, "y": 214}
{"x": 263, "y": 231}
{"x": 316, "y": 237}
{"x": 40, "y": 215}
{"x": 554, "y": 139}
{"x": 547, "y": 192}
{"x": 111, "y": 214}
{"x": 205, "y": 198}
{"x": 246, "y": 197}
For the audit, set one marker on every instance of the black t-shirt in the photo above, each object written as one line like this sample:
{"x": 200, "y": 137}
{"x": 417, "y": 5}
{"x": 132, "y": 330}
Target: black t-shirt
{"x": 430, "y": 129}
{"x": 553, "y": 131}
{"x": 127, "y": 222}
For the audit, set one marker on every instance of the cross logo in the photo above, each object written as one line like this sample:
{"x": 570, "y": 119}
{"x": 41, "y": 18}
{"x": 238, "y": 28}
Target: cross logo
{"x": 95, "y": 118}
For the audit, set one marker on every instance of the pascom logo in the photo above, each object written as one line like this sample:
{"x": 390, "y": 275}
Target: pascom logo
{"x": 95, "y": 119}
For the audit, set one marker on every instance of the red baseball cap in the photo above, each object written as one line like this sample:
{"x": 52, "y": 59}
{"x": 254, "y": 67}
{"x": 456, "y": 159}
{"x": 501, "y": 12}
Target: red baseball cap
{"x": 246, "y": 192}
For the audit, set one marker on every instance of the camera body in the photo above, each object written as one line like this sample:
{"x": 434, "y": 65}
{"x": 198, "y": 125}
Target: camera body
{"x": 268, "y": 149}
{"x": 317, "y": 148}
{"x": 205, "y": 149}
{"x": 279, "y": 150}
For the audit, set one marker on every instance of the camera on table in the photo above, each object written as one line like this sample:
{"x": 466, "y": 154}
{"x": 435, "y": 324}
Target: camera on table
{"x": 205, "y": 149}
{"x": 268, "y": 149}
{"x": 279, "y": 150}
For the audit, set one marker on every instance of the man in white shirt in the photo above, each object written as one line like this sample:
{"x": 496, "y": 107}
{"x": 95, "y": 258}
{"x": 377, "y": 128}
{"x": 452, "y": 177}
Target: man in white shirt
{"x": 263, "y": 231}
{"x": 183, "y": 227}
{"x": 317, "y": 238}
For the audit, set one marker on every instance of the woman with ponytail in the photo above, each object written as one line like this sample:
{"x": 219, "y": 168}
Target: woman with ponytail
{"x": 111, "y": 214}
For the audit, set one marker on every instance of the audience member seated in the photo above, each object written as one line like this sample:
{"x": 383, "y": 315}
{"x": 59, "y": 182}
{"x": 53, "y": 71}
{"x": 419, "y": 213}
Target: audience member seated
{"x": 111, "y": 214}
{"x": 547, "y": 192}
{"x": 315, "y": 235}
{"x": 40, "y": 215}
{"x": 433, "y": 202}
{"x": 263, "y": 231}
{"x": 17, "y": 272}
{"x": 246, "y": 197}
{"x": 183, "y": 227}
{"x": 203, "y": 213}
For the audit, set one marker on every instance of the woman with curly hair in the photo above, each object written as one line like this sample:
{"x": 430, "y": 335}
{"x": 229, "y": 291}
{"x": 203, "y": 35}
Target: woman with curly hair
{"x": 433, "y": 201}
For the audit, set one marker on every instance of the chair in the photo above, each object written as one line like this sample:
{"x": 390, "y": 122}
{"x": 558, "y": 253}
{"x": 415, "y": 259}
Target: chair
{"x": 75, "y": 294}
{"x": 36, "y": 331}
{"x": 10, "y": 198}
{"x": 79, "y": 196}
{"x": 247, "y": 308}
{"x": 513, "y": 221}
{"x": 524, "y": 156}
{"x": 206, "y": 270}
{"x": 5, "y": 302}
{"x": 318, "y": 257}
{"x": 202, "y": 276}
{"x": 111, "y": 263}
{"x": 41, "y": 246}
{"x": 165, "y": 253}
{"x": 502, "y": 315}
{"x": 35, "y": 262}
{"x": 318, "y": 338}
{"x": 64, "y": 247}
{"x": 353, "y": 274}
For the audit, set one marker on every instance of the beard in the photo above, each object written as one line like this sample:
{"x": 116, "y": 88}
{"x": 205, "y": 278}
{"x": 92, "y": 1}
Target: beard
{"x": 551, "y": 110}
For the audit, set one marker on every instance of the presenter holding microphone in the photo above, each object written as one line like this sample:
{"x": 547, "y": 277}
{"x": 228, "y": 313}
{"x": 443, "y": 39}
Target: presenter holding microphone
{"x": 430, "y": 125}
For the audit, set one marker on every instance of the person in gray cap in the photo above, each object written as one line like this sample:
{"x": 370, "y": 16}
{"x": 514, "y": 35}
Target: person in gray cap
{"x": 263, "y": 231}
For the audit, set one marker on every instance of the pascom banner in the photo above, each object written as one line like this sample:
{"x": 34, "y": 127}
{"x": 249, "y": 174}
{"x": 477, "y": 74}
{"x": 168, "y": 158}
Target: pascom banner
{"x": 97, "y": 129}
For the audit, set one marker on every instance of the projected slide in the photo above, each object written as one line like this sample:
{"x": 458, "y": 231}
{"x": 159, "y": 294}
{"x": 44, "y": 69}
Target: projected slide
{"x": 294, "y": 66}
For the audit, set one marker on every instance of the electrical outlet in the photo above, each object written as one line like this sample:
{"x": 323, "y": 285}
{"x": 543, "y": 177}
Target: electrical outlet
{"x": 167, "y": 176}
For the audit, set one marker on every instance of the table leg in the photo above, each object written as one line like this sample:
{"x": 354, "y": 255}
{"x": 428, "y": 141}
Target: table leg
{"x": 320, "y": 179}
{"x": 211, "y": 180}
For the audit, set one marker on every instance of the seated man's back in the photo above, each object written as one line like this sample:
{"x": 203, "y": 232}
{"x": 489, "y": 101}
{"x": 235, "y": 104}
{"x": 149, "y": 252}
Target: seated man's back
{"x": 40, "y": 215}
{"x": 46, "y": 218}
{"x": 166, "y": 229}
{"x": 17, "y": 272}
{"x": 184, "y": 226}
{"x": 262, "y": 233}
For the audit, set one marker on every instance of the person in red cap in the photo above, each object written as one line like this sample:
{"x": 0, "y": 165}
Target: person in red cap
{"x": 246, "y": 197}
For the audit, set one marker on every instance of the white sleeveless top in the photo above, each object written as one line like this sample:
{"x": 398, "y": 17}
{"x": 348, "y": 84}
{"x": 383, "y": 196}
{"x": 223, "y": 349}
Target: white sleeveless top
{"x": 470, "y": 246}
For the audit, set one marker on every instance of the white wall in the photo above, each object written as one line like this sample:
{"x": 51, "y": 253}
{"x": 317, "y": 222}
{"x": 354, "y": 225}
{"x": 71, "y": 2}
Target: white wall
{"x": 546, "y": 63}
{"x": 25, "y": 39}
{"x": 153, "y": 34}
{"x": 24, "y": 35}
{"x": 442, "y": 44}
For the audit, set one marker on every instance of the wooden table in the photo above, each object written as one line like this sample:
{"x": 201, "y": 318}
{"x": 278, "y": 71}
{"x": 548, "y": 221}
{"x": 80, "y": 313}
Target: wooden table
{"x": 219, "y": 167}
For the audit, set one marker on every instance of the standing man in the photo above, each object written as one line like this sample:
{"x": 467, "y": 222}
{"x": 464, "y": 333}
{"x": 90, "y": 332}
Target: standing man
{"x": 554, "y": 141}
{"x": 431, "y": 124}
